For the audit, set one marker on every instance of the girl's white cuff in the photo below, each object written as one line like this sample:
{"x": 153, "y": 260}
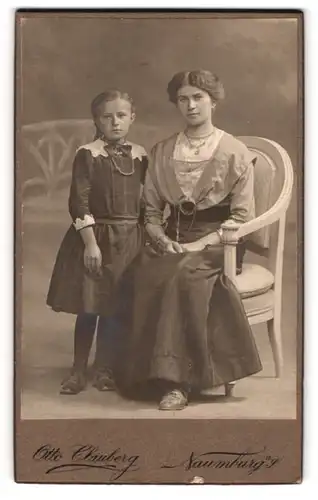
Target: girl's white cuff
{"x": 81, "y": 223}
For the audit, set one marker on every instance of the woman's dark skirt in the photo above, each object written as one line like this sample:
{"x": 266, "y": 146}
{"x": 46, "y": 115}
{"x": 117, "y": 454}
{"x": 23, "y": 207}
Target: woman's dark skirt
{"x": 187, "y": 323}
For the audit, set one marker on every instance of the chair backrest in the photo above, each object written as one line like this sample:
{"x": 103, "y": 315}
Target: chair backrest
{"x": 47, "y": 152}
{"x": 270, "y": 176}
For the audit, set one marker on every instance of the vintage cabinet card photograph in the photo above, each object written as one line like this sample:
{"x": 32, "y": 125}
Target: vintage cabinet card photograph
{"x": 159, "y": 247}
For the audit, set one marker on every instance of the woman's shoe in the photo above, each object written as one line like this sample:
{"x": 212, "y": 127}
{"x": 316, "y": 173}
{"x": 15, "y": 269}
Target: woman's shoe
{"x": 174, "y": 400}
{"x": 74, "y": 384}
{"x": 104, "y": 380}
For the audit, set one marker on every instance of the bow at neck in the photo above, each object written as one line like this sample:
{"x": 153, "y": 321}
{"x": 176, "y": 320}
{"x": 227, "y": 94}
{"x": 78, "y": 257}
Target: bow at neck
{"x": 117, "y": 149}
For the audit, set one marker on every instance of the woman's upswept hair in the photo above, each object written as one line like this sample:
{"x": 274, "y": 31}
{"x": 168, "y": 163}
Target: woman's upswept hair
{"x": 203, "y": 79}
{"x": 108, "y": 95}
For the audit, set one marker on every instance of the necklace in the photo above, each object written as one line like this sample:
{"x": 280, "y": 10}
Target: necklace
{"x": 127, "y": 174}
{"x": 196, "y": 147}
{"x": 119, "y": 151}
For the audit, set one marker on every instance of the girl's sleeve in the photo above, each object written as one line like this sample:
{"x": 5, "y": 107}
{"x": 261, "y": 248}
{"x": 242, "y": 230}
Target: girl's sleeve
{"x": 80, "y": 190}
{"x": 242, "y": 205}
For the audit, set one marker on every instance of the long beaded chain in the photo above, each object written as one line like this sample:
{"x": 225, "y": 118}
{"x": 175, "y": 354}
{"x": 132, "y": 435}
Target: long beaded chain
{"x": 126, "y": 174}
{"x": 177, "y": 211}
{"x": 178, "y": 226}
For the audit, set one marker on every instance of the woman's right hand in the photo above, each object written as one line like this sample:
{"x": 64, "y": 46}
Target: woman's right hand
{"x": 93, "y": 258}
{"x": 173, "y": 247}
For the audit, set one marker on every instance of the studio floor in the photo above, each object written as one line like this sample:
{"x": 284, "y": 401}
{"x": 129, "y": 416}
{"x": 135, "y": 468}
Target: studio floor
{"x": 47, "y": 344}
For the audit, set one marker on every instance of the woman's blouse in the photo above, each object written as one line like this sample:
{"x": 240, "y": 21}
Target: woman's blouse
{"x": 228, "y": 173}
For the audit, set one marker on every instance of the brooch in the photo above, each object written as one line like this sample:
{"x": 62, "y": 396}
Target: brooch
{"x": 187, "y": 206}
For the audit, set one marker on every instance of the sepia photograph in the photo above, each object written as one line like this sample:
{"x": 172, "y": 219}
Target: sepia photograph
{"x": 159, "y": 191}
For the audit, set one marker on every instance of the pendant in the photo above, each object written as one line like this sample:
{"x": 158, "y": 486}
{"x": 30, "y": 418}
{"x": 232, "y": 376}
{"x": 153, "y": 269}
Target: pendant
{"x": 196, "y": 152}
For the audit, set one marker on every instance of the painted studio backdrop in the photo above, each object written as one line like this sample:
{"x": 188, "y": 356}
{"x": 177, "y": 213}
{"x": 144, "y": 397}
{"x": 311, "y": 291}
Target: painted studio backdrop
{"x": 65, "y": 63}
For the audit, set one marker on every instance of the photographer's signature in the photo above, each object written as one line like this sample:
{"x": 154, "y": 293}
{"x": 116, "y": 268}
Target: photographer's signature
{"x": 86, "y": 456}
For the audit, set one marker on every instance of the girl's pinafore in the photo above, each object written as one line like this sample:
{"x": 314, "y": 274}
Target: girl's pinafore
{"x": 105, "y": 194}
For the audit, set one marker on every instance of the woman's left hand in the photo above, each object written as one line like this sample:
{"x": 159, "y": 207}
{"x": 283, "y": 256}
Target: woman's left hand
{"x": 195, "y": 246}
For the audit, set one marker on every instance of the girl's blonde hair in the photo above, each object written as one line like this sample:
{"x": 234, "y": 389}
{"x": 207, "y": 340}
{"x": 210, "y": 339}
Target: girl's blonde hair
{"x": 108, "y": 95}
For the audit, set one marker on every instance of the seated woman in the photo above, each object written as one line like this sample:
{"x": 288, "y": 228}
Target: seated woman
{"x": 188, "y": 328}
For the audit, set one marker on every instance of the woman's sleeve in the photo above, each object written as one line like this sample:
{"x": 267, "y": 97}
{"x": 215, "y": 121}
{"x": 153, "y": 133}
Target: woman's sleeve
{"x": 242, "y": 195}
{"x": 144, "y": 167}
{"x": 80, "y": 190}
{"x": 154, "y": 204}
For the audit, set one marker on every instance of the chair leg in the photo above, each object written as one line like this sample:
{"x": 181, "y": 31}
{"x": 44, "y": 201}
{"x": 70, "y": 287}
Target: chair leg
{"x": 229, "y": 387}
{"x": 275, "y": 338}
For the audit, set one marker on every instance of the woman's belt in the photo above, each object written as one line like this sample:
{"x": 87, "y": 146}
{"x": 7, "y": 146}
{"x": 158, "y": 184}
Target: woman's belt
{"x": 217, "y": 213}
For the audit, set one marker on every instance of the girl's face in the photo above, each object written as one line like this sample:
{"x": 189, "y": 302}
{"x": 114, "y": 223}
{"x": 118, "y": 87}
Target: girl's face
{"x": 114, "y": 118}
{"x": 195, "y": 105}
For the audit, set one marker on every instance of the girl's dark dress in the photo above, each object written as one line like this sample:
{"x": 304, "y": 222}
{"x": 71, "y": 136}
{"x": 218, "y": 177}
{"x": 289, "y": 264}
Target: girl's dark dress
{"x": 105, "y": 194}
{"x": 187, "y": 323}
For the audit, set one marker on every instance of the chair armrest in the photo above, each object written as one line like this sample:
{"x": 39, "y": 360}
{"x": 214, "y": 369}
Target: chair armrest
{"x": 272, "y": 215}
{"x": 233, "y": 231}
{"x": 230, "y": 239}
{"x": 280, "y": 206}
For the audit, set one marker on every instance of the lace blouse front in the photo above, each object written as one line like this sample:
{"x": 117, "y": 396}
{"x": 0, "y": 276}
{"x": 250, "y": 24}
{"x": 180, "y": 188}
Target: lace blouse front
{"x": 189, "y": 161}
{"x": 188, "y": 174}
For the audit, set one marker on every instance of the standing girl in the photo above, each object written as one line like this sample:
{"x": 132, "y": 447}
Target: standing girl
{"x": 103, "y": 240}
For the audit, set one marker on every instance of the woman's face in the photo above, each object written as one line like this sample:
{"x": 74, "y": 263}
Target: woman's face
{"x": 114, "y": 119}
{"x": 195, "y": 105}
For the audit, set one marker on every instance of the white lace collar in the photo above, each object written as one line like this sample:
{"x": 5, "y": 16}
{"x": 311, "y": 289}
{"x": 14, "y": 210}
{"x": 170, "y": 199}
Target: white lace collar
{"x": 97, "y": 149}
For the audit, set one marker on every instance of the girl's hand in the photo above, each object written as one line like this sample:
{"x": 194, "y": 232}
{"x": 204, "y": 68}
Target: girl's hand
{"x": 93, "y": 258}
{"x": 195, "y": 246}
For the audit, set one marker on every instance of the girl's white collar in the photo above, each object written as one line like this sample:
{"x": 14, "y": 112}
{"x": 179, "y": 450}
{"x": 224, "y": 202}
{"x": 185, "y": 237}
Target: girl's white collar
{"x": 97, "y": 149}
